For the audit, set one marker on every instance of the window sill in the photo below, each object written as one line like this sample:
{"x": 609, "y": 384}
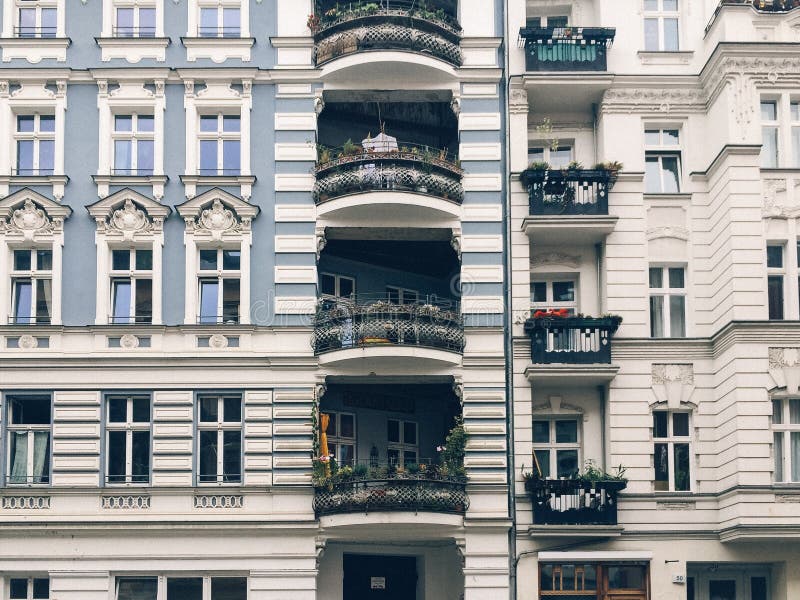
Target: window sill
{"x": 665, "y": 57}
{"x": 57, "y": 181}
{"x": 218, "y": 49}
{"x": 244, "y": 182}
{"x": 133, "y": 49}
{"x": 104, "y": 182}
{"x": 35, "y": 49}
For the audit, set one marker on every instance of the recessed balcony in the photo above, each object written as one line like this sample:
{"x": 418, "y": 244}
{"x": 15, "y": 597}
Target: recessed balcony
{"x": 564, "y": 49}
{"x": 344, "y": 28}
{"x": 568, "y": 205}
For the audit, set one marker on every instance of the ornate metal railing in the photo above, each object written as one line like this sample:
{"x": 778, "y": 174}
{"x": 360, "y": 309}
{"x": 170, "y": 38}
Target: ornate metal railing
{"x": 342, "y": 324}
{"x": 566, "y": 48}
{"x": 571, "y": 340}
{"x": 411, "y": 167}
{"x": 574, "y": 501}
{"x": 568, "y": 192}
{"x": 350, "y": 27}
{"x": 765, "y": 6}
{"x": 419, "y": 492}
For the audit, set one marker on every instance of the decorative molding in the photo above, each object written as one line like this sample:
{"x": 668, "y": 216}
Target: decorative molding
{"x": 218, "y": 341}
{"x": 219, "y": 501}
{"x": 29, "y": 215}
{"x": 674, "y": 505}
{"x": 556, "y": 258}
{"x": 216, "y": 214}
{"x": 673, "y": 384}
{"x": 26, "y": 502}
{"x": 126, "y": 502}
{"x": 668, "y": 231}
{"x": 518, "y": 101}
{"x": 129, "y": 341}
{"x": 771, "y": 209}
{"x": 653, "y": 100}
{"x": 555, "y": 405}
{"x": 321, "y": 240}
{"x": 127, "y": 214}
{"x": 784, "y": 367}
{"x": 28, "y": 342}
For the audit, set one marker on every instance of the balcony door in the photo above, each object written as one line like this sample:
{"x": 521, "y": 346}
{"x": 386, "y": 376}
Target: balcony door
{"x": 371, "y": 577}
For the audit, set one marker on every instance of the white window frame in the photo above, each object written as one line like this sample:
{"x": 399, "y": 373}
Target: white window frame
{"x": 33, "y": 274}
{"x": 135, "y": 6}
{"x": 132, "y": 49}
{"x": 133, "y": 275}
{"x": 549, "y": 280}
{"x": 219, "y": 275}
{"x": 401, "y": 446}
{"x": 794, "y": 131}
{"x": 337, "y": 286}
{"x": 29, "y": 593}
{"x": 671, "y": 440}
{"x": 661, "y": 15}
{"x": 221, "y": 426}
{"x": 782, "y": 450}
{"x": 36, "y": 136}
{"x": 219, "y": 6}
{"x": 33, "y": 49}
{"x": 132, "y": 137}
{"x": 31, "y": 429}
{"x": 665, "y": 292}
{"x": 220, "y": 136}
{"x": 218, "y": 49}
{"x": 781, "y": 273}
{"x": 194, "y": 16}
{"x": 663, "y": 150}
{"x": 162, "y": 583}
{"x": 401, "y": 293}
{"x": 36, "y": 5}
{"x": 548, "y": 151}
{"x": 129, "y": 426}
{"x": 771, "y": 162}
{"x": 335, "y": 442}
{"x": 552, "y": 446}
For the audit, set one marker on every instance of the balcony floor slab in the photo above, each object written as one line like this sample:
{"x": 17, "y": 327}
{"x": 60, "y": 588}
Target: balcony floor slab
{"x": 571, "y": 374}
{"x": 553, "y": 229}
{"x": 575, "y": 531}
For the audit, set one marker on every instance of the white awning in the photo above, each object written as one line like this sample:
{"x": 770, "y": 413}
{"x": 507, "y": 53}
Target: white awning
{"x": 380, "y": 143}
{"x": 598, "y": 556}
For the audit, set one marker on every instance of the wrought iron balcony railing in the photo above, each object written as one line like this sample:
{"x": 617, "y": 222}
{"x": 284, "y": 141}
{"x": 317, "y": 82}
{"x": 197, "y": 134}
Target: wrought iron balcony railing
{"x": 765, "y": 5}
{"x": 410, "y": 167}
{"x": 122, "y": 31}
{"x": 350, "y": 27}
{"x": 568, "y": 192}
{"x": 566, "y": 48}
{"x": 571, "y": 340}
{"x": 391, "y": 489}
{"x": 35, "y": 32}
{"x": 574, "y": 501}
{"x": 342, "y": 324}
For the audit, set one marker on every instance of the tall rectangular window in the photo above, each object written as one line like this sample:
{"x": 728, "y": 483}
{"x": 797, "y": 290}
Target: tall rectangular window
{"x": 220, "y": 144}
{"x": 769, "y": 134}
{"x": 134, "y": 20}
{"x": 662, "y": 161}
{"x": 558, "y": 157}
{"x": 220, "y": 20}
{"x": 556, "y": 447}
{"x": 775, "y": 280}
{"x": 28, "y": 434}
{"x": 132, "y": 286}
{"x": 786, "y": 439}
{"x": 28, "y": 588}
{"x": 554, "y": 293}
{"x": 671, "y": 451}
{"x": 128, "y": 439}
{"x": 336, "y": 286}
{"x": 661, "y": 20}
{"x": 32, "y": 286}
{"x": 219, "y": 431}
{"x": 402, "y": 442}
{"x": 667, "y": 301}
{"x": 341, "y": 434}
{"x": 134, "y": 144}
{"x": 397, "y": 295}
{"x": 219, "y": 277}
{"x": 36, "y": 18}
{"x": 35, "y": 139}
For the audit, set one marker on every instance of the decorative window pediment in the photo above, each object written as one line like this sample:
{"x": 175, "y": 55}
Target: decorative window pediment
{"x": 28, "y": 215}
{"x": 128, "y": 214}
{"x": 216, "y": 214}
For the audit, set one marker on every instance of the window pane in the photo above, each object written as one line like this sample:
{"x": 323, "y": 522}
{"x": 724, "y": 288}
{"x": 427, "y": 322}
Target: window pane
{"x": 676, "y": 278}
{"x": 563, "y": 291}
{"x": 651, "y": 4}
{"x": 670, "y": 5}
{"x": 27, "y": 22}
{"x": 144, "y": 301}
{"x": 409, "y": 433}
{"x": 185, "y": 588}
{"x": 327, "y": 284}
{"x": 393, "y": 430}
{"x": 22, "y": 260}
{"x": 626, "y": 578}
{"x": 769, "y": 111}
{"x": 208, "y": 157}
{"x": 543, "y": 456}
{"x": 140, "y": 457}
{"x": 44, "y": 260}
{"x": 231, "y": 19}
{"x": 232, "y": 456}
{"x": 795, "y": 455}
{"x": 47, "y": 123}
{"x": 681, "y": 467}
{"x": 139, "y": 588}
{"x": 560, "y": 157}
{"x": 49, "y": 22}
{"x": 230, "y": 300}
{"x": 796, "y": 147}
{"x": 652, "y": 175}
{"x": 794, "y": 411}
{"x": 661, "y": 466}
{"x": 116, "y": 456}
{"x": 677, "y": 316}
{"x": 125, "y": 22}
{"x": 758, "y": 588}
{"x": 671, "y": 35}
{"x": 209, "y": 291}
{"x": 775, "y": 257}
{"x": 777, "y": 412}
{"x": 231, "y": 159}
{"x": 651, "y": 35}
{"x": 680, "y": 424}
{"x": 769, "y": 147}
{"x": 18, "y": 589}
{"x": 47, "y": 156}
{"x": 232, "y": 409}
{"x": 144, "y": 260}
{"x": 208, "y": 123}
{"x": 41, "y": 457}
{"x": 566, "y": 432}
{"x": 652, "y": 137}
{"x": 145, "y": 123}
{"x": 228, "y": 588}
{"x": 670, "y": 137}
{"x": 41, "y": 588}
{"x": 208, "y": 22}
{"x": 209, "y": 409}
{"x": 117, "y": 410}
{"x": 657, "y": 316}
{"x": 18, "y": 459}
{"x": 541, "y": 432}
{"x": 141, "y": 410}
{"x": 589, "y": 577}
{"x": 231, "y": 260}
{"x": 231, "y": 123}
{"x": 25, "y": 157}
{"x": 568, "y": 577}
{"x": 23, "y": 293}
{"x": 208, "y": 260}
{"x": 567, "y": 462}
{"x": 538, "y": 291}
{"x": 120, "y": 260}
{"x": 346, "y": 287}
{"x": 30, "y": 411}
{"x": 121, "y": 293}
{"x": 346, "y": 454}
{"x": 144, "y": 157}
{"x": 671, "y": 174}
{"x": 123, "y": 122}
{"x": 775, "y": 296}
{"x": 347, "y": 427}
{"x": 777, "y": 451}
{"x": 147, "y": 28}
{"x": 535, "y": 155}
{"x": 44, "y": 300}
{"x": 208, "y": 456}
{"x": 660, "y": 423}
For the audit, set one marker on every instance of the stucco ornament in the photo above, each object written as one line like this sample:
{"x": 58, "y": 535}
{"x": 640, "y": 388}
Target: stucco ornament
{"x": 30, "y": 220}
{"x": 673, "y": 384}
{"x": 784, "y": 367}
{"x": 129, "y": 341}
{"x": 218, "y": 220}
{"x": 555, "y": 258}
{"x": 218, "y": 341}
{"x": 129, "y": 220}
{"x": 28, "y": 342}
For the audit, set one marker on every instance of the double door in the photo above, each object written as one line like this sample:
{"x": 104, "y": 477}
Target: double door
{"x": 728, "y": 584}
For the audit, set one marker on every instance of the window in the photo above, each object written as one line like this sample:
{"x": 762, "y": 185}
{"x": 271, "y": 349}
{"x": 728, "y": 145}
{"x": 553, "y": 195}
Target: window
{"x": 661, "y": 25}
{"x": 342, "y": 437}
{"x": 558, "y": 158}
{"x": 132, "y": 286}
{"x": 134, "y": 140}
{"x": 554, "y": 293}
{"x": 36, "y": 18}
{"x": 554, "y": 22}
{"x": 398, "y": 295}
{"x": 31, "y": 588}
{"x": 219, "y": 276}
{"x": 403, "y": 442}
{"x": 134, "y": 21}
{"x": 769, "y": 134}
{"x": 775, "y": 276}
{"x": 28, "y": 434}
{"x": 671, "y": 451}
{"x": 336, "y": 286}
{"x": 667, "y": 302}
{"x": 794, "y": 110}
{"x": 220, "y": 439}
{"x": 786, "y": 439}
{"x": 220, "y": 144}
{"x": 581, "y": 581}
{"x": 662, "y": 161}
{"x": 181, "y": 588}
{"x": 556, "y": 447}
{"x": 35, "y": 144}
{"x": 220, "y": 21}
{"x": 128, "y": 439}
{"x": 32, "y": 286}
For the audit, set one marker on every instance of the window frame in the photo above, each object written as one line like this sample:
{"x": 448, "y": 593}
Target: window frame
{"x": 771, "y": 161}
{"x": 550, "y": 303}
{"x": 402, "y": 446}
{"x": 30, "y": 586}
{"x": 794, "y": 130}
{"x": 671, "y": 440}
{"x": 220, "y": 136}
{"x": 547, "y": 152}
{"x": 133, "y": 275}
{"x": 401, "y": 293}
{"x": 136, "y": 29}
{"x": 553, "y": 446}
{"x": 162, "y": 582}
{"x": 220, "y": 6}
{"x": 220, "y": 426}
{"x": 34, "y": 274}
{"x": 789, "y": 472}
{"x": 36, "y": 136}
{"x": 336, "y": 441}
{"x": 10, "y": 427}
{"x": 779, "y": 274}
{"x": 218, "y": 275}
{"x": 666, "y": 292}
{"x": 38, "y": 28}
{"x": 337, "y": 286}
{"x": 133, "y": 137}
{"x": 661, "y": 15}
{"x": 129, "y": 426}
{"x": 662, "y": 151}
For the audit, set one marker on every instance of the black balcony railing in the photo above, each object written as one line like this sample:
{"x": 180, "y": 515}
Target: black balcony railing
{"x": 219, "y": 32}
{"x": 574, "y": 501}
{"x": 35, "y": 32}
{"x": 571, "y": 340}
{"x": 132, "y": 172}
{"x": 566, "y": 48}
{"x": 31, "y": 320}
{"x": 133, "y": 32}
{"x": 341, "y": 324}
{"x": 391, "y": 489}
{"x": 765, "y": 5}
{"x": 408, "y": 167}
{"x": 569, "y": 191}
{"x": 349, "y": 27}
{"x": 30, "y": 172}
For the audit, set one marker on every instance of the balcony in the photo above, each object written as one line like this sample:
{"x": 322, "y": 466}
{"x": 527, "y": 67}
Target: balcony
{"x": 767, "y": 6}
{"x": 563, "y": 49}
{"x": 568, "y": 205}
{"x": 559, "y": 505}
{"x": 343, "y": 28}
{"x": 571, "y": 349}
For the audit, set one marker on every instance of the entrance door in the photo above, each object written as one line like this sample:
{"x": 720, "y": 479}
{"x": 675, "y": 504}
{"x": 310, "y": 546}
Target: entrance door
{"x": 369, "y": 577}
{"x": 745, "y": 583}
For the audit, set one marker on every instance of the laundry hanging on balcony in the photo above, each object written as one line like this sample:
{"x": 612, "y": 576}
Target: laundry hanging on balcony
{"x": 565, "y": 51}
{"x": 380, "y": 143}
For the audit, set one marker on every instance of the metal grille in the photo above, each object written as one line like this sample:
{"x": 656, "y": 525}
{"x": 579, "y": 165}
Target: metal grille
{"x": 218, "y": 501}
{"x": 26, "y": 502}
{"x": 126, "y": 502}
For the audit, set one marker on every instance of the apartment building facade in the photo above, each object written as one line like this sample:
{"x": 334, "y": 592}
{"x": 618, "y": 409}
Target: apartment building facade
{"x": 654, "y": 300}
{"x": 234, "y": 330}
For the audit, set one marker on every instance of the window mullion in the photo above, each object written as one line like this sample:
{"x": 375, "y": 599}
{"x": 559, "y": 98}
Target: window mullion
{"x": 671, "y": 465}
{"x": 29, "y": 466}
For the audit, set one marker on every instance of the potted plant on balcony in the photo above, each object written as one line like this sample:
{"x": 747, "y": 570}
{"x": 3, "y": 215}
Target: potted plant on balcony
{"x": 593, "y": 475}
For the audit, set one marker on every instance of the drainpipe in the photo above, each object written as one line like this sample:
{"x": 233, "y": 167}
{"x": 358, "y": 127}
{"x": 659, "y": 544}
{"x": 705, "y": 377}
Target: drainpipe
{"x": 602, "y": 395}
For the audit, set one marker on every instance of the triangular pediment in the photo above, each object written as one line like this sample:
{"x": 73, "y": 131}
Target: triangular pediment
{"x": 17, "y": 199}
{"x": 191, "y": 208}
{"x": 103, "y": 208}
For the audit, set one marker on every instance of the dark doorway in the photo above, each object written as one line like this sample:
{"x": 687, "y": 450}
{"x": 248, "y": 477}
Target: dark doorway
{"x": 379, "y": 577}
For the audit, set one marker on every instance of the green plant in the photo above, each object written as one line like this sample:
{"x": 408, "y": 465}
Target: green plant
{"x": 574, "y": 166}
{"x": 592, "y": 473}
{"x": 545, "y": 130}
{"x": 611, "y": 165}
{"x": 452, "y": 453}
{"x": 539, "y": 166}
{"x": 360, "y": 471}
{"x": 350, "y": 148}
{"x": 323, "y": 154}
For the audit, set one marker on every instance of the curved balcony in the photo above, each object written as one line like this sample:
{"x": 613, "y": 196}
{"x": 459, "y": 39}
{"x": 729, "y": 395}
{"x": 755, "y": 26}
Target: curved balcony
{"x": 394, "y": 25}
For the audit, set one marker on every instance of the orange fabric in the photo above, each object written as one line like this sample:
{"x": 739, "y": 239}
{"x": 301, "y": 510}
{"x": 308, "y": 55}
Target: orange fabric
{"x": 324, "y": 421}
